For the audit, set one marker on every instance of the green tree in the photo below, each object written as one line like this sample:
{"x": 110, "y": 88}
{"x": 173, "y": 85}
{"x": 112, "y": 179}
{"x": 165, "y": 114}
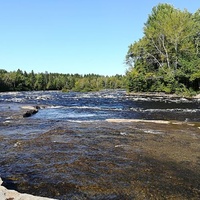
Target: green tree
{"x": 40, "y": 83}
{"x": 170, "y": 42}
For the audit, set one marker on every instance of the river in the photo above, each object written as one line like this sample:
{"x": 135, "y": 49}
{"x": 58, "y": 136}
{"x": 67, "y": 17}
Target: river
{"x": 69, "y": 151}
{"x": 76, "y": 106}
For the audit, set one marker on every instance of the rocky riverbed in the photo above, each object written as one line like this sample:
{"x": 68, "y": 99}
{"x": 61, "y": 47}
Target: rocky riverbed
{"x": 106, "y": 159}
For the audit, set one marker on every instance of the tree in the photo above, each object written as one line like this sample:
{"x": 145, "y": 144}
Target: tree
{"x": 20, "y": 81}
{"x": 171, "y": 39}
{"x": 40, "y": 83}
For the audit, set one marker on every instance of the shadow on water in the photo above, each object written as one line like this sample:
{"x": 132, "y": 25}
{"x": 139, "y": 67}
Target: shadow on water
{"x": 9, "y": 184}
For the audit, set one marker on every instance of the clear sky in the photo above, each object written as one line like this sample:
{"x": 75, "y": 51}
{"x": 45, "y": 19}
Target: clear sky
{"x": 73, "y": 36}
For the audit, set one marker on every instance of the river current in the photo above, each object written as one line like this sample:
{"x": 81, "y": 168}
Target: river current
{"x": 106, "y": 104}
{"x": 68, "y": 150}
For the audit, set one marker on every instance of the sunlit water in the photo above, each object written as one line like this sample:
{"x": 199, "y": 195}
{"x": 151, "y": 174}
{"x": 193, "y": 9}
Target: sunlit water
{"x": 103, "y": 105}
{"x": 68, "y": 151}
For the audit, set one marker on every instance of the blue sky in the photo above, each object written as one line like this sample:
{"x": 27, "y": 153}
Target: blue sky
{"x": 73, "y": 36}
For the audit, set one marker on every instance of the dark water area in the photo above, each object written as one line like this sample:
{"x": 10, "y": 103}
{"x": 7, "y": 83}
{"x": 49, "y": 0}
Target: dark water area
{"x": 69, "y": 151}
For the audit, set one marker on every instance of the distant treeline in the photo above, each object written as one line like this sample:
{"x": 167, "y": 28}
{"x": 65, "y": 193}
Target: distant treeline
{"x": 23, "y": 81}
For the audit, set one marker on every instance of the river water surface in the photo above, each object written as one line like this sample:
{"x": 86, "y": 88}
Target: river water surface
{"x": 69, "y": 151}
{"x": 105, "y": 104}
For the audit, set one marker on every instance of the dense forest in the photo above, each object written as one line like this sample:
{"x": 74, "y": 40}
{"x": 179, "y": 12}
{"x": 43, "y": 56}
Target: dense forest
{"x": 23, "y": 81}
{"x": 167, "y": 57}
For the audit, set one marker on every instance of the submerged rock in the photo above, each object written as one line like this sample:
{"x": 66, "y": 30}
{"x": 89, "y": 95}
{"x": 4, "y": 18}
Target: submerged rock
{"x": 138, "y": 120}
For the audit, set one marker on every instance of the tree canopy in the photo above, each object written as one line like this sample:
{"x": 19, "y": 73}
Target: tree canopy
{"x": 23, "y": 81}
{"x": 167, "y": 57}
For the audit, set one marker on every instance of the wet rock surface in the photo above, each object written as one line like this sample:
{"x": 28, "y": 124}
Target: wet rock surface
{"x": 100, "y": 160}
{"x": 32, "y": 111}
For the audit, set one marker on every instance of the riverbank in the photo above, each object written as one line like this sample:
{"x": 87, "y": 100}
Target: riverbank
{"x": 162, "y": 95}
{"x": 6, "y": 194}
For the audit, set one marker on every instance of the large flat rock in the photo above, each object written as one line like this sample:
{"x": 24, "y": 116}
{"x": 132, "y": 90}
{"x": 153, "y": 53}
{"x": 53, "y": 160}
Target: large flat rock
{"x": 6, "y": 194}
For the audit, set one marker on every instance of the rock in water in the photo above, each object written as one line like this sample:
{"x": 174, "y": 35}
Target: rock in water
{"x": 30, "y": 113}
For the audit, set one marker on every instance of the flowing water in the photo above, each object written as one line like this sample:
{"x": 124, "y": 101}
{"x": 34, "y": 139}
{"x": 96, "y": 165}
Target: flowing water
{"x": 68, "y": 150}
{"x": 105, "y": 104}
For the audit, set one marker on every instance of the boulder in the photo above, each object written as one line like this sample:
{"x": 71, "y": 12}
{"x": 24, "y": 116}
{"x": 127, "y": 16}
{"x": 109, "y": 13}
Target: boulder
{"x": 29, "y": 113}
{"x": 31, "y": 110}
{"x": 2, "y": 193}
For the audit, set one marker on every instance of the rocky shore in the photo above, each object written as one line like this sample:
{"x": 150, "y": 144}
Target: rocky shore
{"x": 162, "y": 95}
{"x": 6, "y": 194}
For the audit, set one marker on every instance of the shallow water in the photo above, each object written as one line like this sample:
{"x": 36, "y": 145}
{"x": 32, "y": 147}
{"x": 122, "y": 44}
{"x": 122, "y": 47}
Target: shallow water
{"x": 68, "y": 151}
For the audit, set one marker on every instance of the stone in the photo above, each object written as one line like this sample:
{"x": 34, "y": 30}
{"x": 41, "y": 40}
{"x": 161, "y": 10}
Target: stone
{"x": 1, "y": 181}
{"x": 6, "y": 194}
{"x": 29, "y": 113}
{"x": 31, "y": 110}
{"x": 137, "y": 120}
{"x": 2, "y": 193}
{"x": 12, "y": 194}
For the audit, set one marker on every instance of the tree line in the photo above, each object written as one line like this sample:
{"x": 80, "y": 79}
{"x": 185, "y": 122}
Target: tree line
{"x": 167, "y": 57}
{"x": 23, "y": 81}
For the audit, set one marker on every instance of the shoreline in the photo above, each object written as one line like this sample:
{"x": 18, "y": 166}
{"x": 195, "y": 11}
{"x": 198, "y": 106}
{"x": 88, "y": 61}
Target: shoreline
{"x": 6, "y": 194}
{"x": 161, "y": 95}
{"x": 147, "y": 94}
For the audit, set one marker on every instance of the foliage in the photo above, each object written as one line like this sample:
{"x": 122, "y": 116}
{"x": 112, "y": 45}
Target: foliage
{"x": 167, "y": 57}
{"x": 23, "y": 81}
